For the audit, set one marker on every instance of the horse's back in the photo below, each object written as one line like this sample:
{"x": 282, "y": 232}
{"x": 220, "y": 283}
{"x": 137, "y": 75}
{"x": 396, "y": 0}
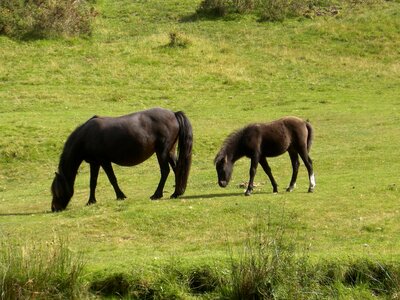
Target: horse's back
{"x": 129, "y": 139}
{"x": 279, "y": 135}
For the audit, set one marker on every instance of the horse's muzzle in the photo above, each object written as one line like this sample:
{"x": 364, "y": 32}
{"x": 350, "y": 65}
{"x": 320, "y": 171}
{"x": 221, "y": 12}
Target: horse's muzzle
{"x": 54, "y": 208}
{"x": 222, "y": 183}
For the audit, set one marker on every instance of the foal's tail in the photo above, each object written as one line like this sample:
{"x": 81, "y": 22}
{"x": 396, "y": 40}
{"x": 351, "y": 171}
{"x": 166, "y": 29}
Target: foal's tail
{"x": 184, "y": 162}
{"x": 310, "y": 135}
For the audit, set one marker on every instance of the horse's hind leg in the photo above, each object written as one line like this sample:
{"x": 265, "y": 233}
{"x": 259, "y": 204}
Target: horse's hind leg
{"x": 294, "y": 158}
{"x": 267, "y": 170}
{"x": 107, "y": 167}
{"x": 308, "y": 163}
{"x": 164, "y": 169}
{"x": 172, "y": 159}
{"x": 94, "y": 173}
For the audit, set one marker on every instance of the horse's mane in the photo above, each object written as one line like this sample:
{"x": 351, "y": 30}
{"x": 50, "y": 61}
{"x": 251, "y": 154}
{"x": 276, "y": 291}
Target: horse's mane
{"x": 70, "y": 146}
{"x": 229, "y": 144}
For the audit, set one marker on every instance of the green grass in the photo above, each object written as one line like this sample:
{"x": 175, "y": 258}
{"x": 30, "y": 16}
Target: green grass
{"x": 342, "y": 73}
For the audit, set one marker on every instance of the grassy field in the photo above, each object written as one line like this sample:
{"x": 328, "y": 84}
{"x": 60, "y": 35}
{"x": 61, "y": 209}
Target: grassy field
{"x": 342, "y": 73}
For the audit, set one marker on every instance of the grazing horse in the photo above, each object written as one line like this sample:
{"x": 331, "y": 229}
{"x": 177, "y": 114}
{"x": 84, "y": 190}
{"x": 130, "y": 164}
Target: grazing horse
{"x": 127, "y": 141}
{"x": 261, "y": 140}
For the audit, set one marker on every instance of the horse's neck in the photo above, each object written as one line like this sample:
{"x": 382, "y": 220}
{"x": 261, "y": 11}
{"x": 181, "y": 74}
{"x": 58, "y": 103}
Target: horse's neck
{"x": 233, "y": 153}
{"x": 69, "y": 165}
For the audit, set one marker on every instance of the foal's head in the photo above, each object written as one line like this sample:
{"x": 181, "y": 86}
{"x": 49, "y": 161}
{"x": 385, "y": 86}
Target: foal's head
{"x": 62, "y": 193}
{"x": 224, "y": 168}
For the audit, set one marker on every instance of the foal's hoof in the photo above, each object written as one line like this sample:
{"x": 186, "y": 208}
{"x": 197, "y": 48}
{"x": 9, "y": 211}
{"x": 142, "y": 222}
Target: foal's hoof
{"x": 311, "y": 190}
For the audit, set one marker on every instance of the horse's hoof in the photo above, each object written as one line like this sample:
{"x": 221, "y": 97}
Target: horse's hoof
{"x": 289, "y": 190}
{"x": 174, "y": 196}
{"x": 120, "y": 196}
{"x": 310, "y": 190}
{"x": 155, "y": 197}
{"x": 90, "y": 202}
{"x": 247, "y": 193}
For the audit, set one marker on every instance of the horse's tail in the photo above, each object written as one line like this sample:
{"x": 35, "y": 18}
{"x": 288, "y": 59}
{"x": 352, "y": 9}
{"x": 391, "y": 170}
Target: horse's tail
{"x": 310, "y": 135}
{"x": 185, "y": 144}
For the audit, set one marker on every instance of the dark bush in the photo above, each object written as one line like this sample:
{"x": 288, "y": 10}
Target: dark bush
{"x": 380, "y": 278}
{"x": 45, "y": 18}
{"x": 202, "y": 280}
{"x": 113, "y": 285}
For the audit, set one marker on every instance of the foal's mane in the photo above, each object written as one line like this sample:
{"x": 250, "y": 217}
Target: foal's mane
{"x": 229, "y": 144}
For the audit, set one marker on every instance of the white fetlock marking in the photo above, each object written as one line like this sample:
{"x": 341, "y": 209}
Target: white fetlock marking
{"x": 312, "y": 180}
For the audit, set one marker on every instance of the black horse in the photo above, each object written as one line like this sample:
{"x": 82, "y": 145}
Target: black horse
{"x": 127, "y": 141}
{"x": 261, "y": 140}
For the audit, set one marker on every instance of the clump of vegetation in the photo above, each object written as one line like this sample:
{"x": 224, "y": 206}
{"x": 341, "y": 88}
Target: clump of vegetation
{"x": 178, "y": 40}
{"x": 45, "y": 18}
{"x": 40, "y": 271}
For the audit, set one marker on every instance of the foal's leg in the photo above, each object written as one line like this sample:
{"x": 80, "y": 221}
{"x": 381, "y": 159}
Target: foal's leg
{"x": 308, "y": 163}
{"x": 94, "y": 174}
{"x": 267, "y": 170}
{"x": 164, "y": 169}
{"x": 107, "y": 167}
{"x": 253, "y": 170}
{"x": 294, "y": 158}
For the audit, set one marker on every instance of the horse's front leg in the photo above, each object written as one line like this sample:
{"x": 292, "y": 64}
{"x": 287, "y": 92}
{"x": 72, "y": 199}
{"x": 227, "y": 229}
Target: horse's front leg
{"x": 253, "y": 170}
{"x": 94, "y": 173}
{"x": 267, "y": 170}
{"x": 164, "y": 169}
{"x": 107, "y": 167}
{"x": 294, "y": 158}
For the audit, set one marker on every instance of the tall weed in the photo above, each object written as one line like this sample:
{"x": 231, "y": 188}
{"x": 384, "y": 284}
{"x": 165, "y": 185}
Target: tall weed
{"x": 270, "y": 267}
{"x": 34, "y": 271}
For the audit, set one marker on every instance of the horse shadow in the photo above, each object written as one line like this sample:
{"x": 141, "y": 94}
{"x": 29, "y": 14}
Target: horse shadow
{"x": 212, "y": 196}
{"x": 23, "y": 214}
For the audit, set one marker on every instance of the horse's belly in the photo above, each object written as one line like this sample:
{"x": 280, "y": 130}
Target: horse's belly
{"x": 131, "y": 158}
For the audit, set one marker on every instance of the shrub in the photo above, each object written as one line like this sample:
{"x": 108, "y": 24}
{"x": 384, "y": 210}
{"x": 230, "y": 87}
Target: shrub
{"x": 277, "y": 10}
{"x": 45, "y": 18}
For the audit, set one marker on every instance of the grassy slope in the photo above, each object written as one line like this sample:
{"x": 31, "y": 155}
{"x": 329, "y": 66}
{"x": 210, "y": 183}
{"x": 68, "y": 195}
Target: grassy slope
{"x": 343, "y": 74}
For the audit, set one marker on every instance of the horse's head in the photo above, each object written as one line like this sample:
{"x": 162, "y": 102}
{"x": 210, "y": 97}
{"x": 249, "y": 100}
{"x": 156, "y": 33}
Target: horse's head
{"x": 224, "y": 168}
{"x": 62, "y": 193}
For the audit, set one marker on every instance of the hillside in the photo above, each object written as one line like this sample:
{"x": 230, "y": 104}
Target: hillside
{"x": 340, "y": 72}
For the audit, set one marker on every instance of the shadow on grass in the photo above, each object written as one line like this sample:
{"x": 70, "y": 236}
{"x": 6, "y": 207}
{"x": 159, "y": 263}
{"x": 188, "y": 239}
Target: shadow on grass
{"x": 210, "y": 196}
{"x": 11, "y": 214}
